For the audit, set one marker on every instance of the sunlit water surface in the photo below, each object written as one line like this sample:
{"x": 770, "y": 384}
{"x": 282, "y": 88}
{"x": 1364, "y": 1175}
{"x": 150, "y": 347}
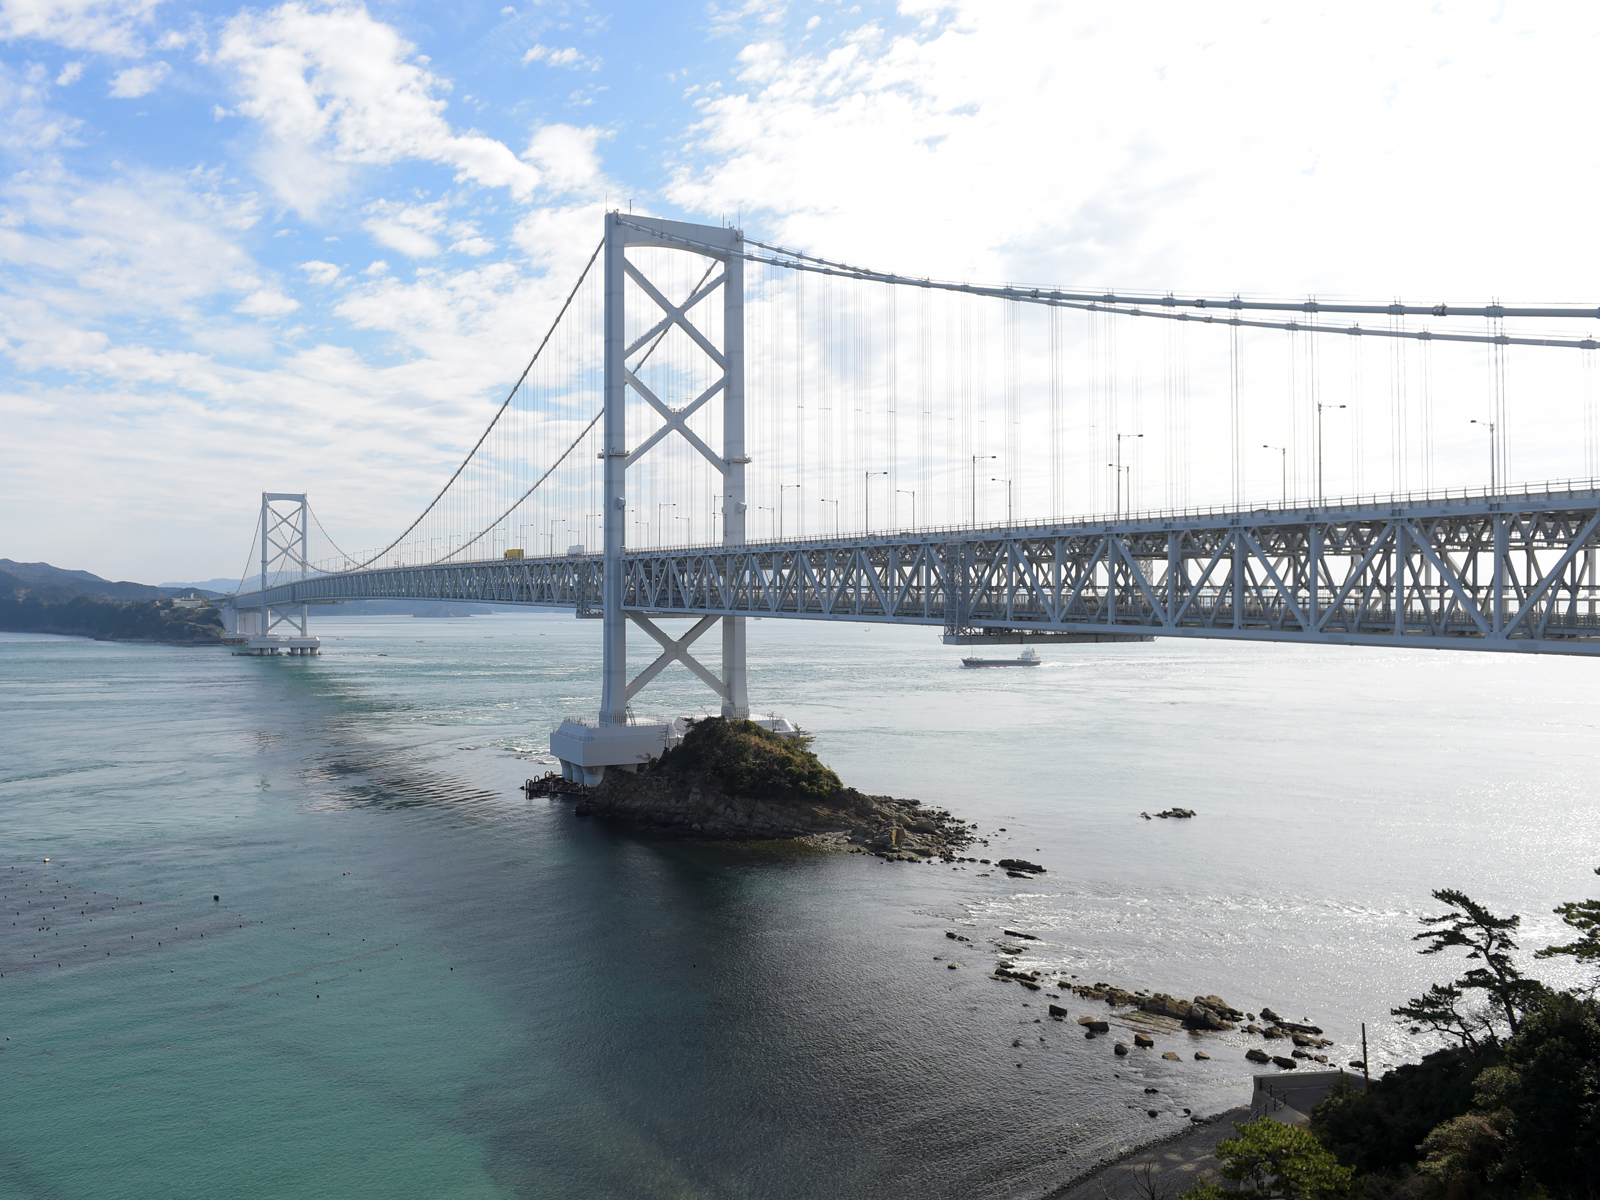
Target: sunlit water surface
{"x": 300, "y": 934}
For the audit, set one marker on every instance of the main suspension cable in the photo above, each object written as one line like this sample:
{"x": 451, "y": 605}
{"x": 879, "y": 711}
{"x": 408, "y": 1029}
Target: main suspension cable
{"x": 1163, "y": 307}
{"x": 498, "y": 414}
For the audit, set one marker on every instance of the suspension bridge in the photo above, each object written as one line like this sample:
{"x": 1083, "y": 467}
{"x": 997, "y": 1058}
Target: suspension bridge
{"x": 693, "y": 369}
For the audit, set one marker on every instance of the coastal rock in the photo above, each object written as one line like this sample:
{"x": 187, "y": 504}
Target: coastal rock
{"x": 1163, "y": 1005}
{"x": 1272, "y": 1031}
{"x": 1027, "y": 937}
{"x": 1257, "y": 1056}
{"x": 1120, "y": 1049}
{"x": 1199, "y": 1056}
{"x": 1293, "y": 1027}
{"x": 1144, "y": 1041}
{"x": 1057, "y": 1012}
{"x": 1288, "y": 1064}
{"x": 1201, "y": 1017}
{"x": 1171, "y": 1056}
{"x": 1094, "y": 1026}
{"x": 1020, "y": 864}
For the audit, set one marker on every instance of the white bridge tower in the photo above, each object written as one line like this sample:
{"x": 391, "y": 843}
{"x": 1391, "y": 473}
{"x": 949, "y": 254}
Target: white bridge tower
{"x": 616, "y": 738}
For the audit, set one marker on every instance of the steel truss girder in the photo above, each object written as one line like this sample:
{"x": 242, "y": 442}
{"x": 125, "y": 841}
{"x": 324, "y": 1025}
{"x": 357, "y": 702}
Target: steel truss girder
{"x": 1508, "y": 573}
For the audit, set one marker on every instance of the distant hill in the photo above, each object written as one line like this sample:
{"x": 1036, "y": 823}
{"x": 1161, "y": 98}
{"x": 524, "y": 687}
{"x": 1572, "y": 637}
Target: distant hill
{"x": 37, "y": 578}
{"x": 216, "y": 587}
{"x": 39, "y": 598}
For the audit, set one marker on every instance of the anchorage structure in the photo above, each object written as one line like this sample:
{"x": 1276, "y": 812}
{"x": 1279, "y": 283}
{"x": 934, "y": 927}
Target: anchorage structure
{"x": 616, "y": 739}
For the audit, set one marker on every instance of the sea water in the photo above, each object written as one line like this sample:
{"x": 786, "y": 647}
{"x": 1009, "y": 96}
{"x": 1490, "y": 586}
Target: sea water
{"x": 300, "y": 934}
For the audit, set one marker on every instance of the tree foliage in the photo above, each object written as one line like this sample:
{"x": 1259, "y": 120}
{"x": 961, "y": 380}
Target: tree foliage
{"x": 741, "y": 758}
{"x": 1584, "y": 916}
{"x": 1377, "y": 1131}
{"x": 1271, "y": 1160}
{"x": 1494, "y": 1118}
{"x": 1507, "y": 995}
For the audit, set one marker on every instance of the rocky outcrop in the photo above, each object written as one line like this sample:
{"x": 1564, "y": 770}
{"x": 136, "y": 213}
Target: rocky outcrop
{"x": 733, "y": 780}
{"x": 883, "y": 825}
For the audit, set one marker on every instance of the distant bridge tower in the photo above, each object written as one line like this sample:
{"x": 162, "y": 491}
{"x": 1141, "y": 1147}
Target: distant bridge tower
{"x": 284, "y": 539}
{"x": 616, "y": 739}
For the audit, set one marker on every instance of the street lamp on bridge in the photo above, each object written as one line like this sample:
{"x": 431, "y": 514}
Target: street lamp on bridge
{"x": 1120, "y": 436}
{"x": 976, "y": 459}
{"x": 835, "y": 504}
{"x": 912, "y": 493}
{"x": 1320, "y": 407}
{"x": 782, "y": 488}
{"x": 1494, "y": 457}
{"x": 1007, "y": 482}
{"x": 866, "y": 496}
{"x": 1283, "y": 451}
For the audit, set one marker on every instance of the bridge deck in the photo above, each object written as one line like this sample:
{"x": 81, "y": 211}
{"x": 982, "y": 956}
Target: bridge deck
{"x": 1508, "y": 572}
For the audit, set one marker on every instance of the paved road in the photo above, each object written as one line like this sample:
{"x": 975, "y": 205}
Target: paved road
{"x": 1161, "y": 1171}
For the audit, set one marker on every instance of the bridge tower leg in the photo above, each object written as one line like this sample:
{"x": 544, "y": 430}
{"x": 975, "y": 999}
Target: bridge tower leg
{"x": 617, "y": 738}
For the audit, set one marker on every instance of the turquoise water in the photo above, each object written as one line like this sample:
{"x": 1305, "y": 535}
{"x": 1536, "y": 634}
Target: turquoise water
{"x": 416, "y": 982}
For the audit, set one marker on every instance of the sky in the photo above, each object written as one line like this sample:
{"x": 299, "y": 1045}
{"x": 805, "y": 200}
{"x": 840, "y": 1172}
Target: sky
{"x": 307, "y": 246}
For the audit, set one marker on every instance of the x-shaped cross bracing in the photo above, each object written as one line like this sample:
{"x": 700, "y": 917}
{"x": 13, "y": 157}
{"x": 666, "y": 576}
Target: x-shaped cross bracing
{"x": 675, "y": 650}
{"x": 676, "y": 419}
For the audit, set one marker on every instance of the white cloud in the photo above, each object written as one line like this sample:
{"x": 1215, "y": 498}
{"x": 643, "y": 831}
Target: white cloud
{"x": 103, "y": 26}
{"x": 70, "y": 74}
{"x": 30, "y": 124}
{"x": 320, "y": 272}
{"x": 407, "y": 228}
{"x": 565, "y": 156}
{"x": 570, "y": 57}
{"x": 267, "y": 302}
{"x": 157, "y": 245}
{"x": 1055, "y": 143}
{"x": 477, "y": 247}
{"x": 138, "y": 81}
{"x": 333, "y": 88}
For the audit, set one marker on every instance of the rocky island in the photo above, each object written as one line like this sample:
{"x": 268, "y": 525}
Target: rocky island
{"x": 732, "y": 779}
